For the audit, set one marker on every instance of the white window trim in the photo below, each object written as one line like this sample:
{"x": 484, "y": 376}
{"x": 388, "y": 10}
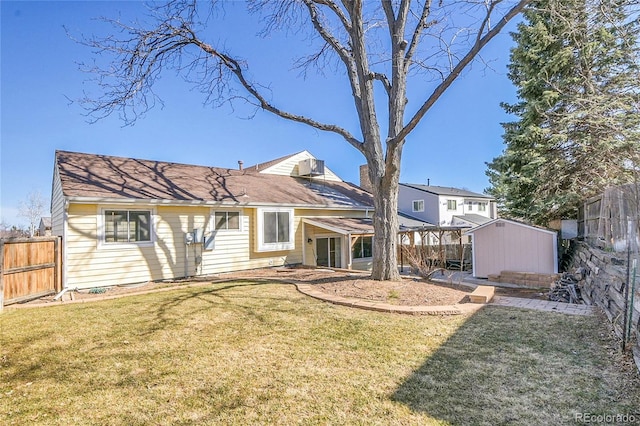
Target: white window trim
{"x": 212, "y": 221}
{"x": 103, "y": 245}
{"x": 453, "y": 201}
{"x": 262, "y": 246}
{"x": 413, "y": 205}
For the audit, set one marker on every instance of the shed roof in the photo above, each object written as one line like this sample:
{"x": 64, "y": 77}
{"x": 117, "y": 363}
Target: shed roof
{"x": 91, "y": 176}
{"x": 410, "y": 222}
{"x": 513, "y": 222}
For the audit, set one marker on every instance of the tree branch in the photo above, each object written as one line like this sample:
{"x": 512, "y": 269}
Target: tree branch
{"x": 326, "y": 35}
{"x": 383, "y": 79}
{"x": 455, "y": 72}
{"x": 417, "y": 33}
{"x": 339, "y": 13}
{"x": 234, "y": 67}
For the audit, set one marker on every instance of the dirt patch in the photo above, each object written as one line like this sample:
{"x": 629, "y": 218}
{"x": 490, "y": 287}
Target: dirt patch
{"x": 410, "y": 291}
{"x": 526, "y": 293}
{"x": 358, "y": 285}
{"x": 406, "y": 292}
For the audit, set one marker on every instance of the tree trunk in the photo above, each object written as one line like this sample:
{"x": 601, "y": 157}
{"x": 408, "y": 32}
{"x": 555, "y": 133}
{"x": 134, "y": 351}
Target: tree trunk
{"x": 385, "y": 219}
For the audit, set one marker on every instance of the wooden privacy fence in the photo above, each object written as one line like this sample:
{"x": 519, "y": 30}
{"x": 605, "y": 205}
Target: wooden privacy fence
{"x": 610, "y": 220}
{"x": 29, "y": 268}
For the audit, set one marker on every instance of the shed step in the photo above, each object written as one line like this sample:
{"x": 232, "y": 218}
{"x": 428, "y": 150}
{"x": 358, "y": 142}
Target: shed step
{"x": 482, "y": 294}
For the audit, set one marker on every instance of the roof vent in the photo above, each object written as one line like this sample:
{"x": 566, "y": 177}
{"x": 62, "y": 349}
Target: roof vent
{"x": 311, "y": 167}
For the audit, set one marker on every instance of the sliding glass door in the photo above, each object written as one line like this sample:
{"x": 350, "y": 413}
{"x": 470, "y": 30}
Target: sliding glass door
{"x": 328, "y": 252}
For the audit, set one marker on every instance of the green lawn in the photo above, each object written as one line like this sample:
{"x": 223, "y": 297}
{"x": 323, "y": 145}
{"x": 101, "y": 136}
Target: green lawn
{"x": 241, "y": 353}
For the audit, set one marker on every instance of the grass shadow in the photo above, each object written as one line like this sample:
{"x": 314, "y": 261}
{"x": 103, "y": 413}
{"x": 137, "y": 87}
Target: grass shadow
{"x": 220, "y": 294}
{"x": 497, "y": 369}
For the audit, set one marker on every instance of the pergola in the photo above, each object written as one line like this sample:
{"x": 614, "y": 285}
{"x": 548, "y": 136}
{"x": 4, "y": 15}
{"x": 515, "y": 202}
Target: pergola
{"x": 435, "y": 255}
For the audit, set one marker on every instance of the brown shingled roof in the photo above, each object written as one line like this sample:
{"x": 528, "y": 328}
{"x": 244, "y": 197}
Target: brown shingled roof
{"x": 100, "y": 176}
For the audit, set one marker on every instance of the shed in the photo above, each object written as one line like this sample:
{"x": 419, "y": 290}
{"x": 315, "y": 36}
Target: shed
{"x": 507, "y": 245}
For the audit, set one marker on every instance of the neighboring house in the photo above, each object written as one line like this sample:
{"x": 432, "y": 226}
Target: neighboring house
{"x": 125, "y": 220}
{"x": 44, "y": 229}
{"x": 445, "y": 206}
{"x": 451, "y": 210}
{"x": 507, "y": 245}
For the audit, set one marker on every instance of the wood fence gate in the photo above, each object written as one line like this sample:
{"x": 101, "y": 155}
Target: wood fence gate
{"x": 29, "y": 268}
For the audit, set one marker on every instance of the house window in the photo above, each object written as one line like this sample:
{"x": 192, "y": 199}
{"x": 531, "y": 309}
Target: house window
{"x": 418, "y": 205}
{"x": 482, "y": 207}
{"x": 127, "y": 226}
{"x": 469, "y": 206}
{"x": 275, "y": 229}
{"x": 226, "y": 221}
{"x": 452, "y": 205}
{"x": 363, "y": 248}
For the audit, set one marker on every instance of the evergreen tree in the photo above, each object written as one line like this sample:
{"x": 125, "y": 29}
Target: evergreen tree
{"x": 576, "y": 68}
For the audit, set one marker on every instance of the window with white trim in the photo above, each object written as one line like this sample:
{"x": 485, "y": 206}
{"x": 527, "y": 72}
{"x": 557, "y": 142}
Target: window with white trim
{"x": 418, "y": 205}
{"x": 226, "y": 221}
{"x": 127, "y": 226}
{"x": 362, "y": 248}
{"x": 452, "y": 205}
{"x": 275, "y": 229}
{"x": 482, "y": 207}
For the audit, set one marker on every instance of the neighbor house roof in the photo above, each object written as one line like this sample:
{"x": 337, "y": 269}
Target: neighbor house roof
{"x": 444, "y": 190}
{"x": 475, "y": 219}
{"x": 45, "y": 221}
{"x": 91, "y": 176}
{"x": 410, "y": 222}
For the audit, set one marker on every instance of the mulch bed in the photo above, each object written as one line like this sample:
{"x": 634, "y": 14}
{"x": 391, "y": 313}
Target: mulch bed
{"x": 410, "y": 291}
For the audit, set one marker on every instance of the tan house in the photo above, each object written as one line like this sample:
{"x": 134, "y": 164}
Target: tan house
{"x": 125, "y": 220}
{"x": 507, "y": 245}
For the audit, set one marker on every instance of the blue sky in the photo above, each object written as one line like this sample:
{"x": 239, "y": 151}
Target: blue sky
{"x": 40, "y": 78}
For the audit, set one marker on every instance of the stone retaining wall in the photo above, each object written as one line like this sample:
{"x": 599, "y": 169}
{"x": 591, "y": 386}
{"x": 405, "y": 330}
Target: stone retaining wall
{"x": 604, "y": 283}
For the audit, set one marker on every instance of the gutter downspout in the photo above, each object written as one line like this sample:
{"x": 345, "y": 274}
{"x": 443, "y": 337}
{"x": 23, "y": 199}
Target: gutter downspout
{"x": 65, "y": 223}
{"x": 62, "y": 293}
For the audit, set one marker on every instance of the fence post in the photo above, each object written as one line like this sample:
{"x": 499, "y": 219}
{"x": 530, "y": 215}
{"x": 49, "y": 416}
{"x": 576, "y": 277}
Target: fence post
{"x": 1, "y": 275}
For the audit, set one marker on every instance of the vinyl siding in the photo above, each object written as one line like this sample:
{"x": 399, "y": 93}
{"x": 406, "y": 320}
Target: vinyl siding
{"x": 57, "y": 206}
{"x": 91, "y": 263}
{"x": 513, "y": 247}
{"x": 407, "y": 196}
{"x": 289, "y": 167}
{"x": 446, "y": 215}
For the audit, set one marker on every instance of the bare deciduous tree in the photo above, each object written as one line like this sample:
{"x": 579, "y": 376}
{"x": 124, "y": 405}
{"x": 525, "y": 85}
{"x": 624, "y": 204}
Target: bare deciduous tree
{"x": 378, "y": 44}
{"x": 31, "y": 209}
